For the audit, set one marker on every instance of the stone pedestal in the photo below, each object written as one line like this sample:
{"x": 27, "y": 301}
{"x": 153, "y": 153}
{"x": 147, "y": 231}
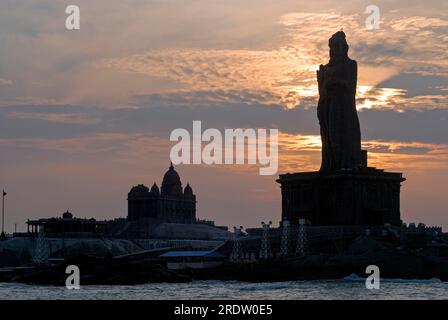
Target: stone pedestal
{"x": 364, "y": 197}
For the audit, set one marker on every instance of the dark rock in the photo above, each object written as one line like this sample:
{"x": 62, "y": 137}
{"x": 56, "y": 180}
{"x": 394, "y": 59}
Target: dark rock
{"x": 41, "y": 277}
{"x": 8, "y": 258}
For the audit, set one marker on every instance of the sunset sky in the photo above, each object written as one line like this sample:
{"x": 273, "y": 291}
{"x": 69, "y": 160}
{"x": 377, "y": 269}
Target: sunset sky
{"x": 85, "y": 115}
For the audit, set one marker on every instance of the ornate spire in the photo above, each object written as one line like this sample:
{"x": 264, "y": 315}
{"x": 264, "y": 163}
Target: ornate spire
{"x": 155, "y": 189}
{"x": 188, "y": 191}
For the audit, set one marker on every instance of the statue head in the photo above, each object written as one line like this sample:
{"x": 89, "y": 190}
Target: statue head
{"x": 338, "y": 46}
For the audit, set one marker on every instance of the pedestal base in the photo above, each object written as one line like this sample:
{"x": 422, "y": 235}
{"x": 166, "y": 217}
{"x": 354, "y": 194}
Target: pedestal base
{"x": 366, "y": 197}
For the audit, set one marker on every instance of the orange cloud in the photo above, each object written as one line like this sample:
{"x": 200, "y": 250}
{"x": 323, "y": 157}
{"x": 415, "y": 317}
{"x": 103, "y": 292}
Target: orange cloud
{"x": 287, "y": 73}
{"x": 302, "y": 153}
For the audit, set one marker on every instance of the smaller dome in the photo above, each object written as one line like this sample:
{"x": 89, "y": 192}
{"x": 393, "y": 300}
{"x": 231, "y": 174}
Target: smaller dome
{"x": 139, "y": 189}
{"x": 155, "y": 189}
{"x": 188, "y": 191}
{"x": 67, "y": 215}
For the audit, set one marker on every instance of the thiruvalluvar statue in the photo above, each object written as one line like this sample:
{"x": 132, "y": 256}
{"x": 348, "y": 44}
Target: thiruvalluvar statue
{"x": 338, "y": 118}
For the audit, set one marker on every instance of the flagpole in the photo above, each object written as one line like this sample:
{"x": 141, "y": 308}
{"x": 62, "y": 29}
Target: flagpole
{"x": 3, "y": 212}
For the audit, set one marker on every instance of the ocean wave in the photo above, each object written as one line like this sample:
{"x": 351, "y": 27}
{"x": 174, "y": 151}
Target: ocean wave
{"x": 350, "y": 287}
{"x": 264, "y": 286}
{"x": 353, "y": 277}
{"x": 429, "y": 281}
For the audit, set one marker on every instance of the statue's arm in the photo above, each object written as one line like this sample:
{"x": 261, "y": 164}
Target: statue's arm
{"x": 354, "y": 77}
{"x": 320, "y": 79}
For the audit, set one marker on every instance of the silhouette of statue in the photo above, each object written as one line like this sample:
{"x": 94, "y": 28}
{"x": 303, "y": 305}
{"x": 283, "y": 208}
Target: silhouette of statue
{"x": 338, "y": 118}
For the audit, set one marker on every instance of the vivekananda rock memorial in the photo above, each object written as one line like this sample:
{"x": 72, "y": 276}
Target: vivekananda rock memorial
{"x": 345, "y": 191}
{"x": 171, "y": 203}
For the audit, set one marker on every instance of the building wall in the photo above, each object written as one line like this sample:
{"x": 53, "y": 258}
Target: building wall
{"x": 180, "y": 209}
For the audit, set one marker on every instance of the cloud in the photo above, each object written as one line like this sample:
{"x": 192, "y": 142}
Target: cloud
{"x": 286, "y": 75}
{"x": 4, "y": 82}
{"x": 303, "y": 152}
{"x": 282, "y": 73}
{"x": 69, "y": 118}
{"x": 82, "y": 131}
{"x": 274, "y": 59}
{"x": 417, "y": 85}
{"x": 418, "y": 24}
{"x": 158, "y": 115}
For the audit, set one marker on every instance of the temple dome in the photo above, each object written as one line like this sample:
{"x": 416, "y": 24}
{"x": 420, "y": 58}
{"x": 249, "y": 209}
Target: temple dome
{"x": 171, "y": 184}
{"x": 67, "y": 215}
{"x": 171, "y": 177}
{"x": 139, "y": 189}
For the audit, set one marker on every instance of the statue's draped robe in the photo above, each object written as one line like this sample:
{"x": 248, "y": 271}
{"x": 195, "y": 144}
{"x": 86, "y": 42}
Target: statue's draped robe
{"x": 338, "y": 118}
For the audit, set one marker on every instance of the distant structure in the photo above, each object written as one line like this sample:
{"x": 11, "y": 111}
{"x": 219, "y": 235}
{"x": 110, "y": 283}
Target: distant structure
{"x": 162, "y": 216}
{"x": 346, "y": 191}
{"x": 170, "y": 204}
{"x": 66, "y": 225}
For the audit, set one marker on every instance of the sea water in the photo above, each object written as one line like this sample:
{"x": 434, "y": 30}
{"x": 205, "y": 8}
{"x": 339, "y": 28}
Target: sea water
{"x": 347, "y": 288}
